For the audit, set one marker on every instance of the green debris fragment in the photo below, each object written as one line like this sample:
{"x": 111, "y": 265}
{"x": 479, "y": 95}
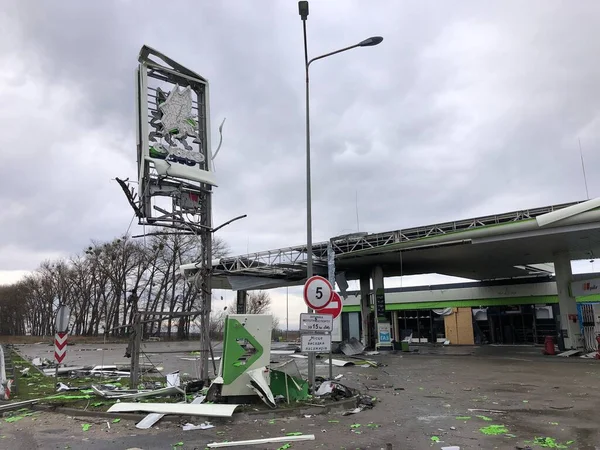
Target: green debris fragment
{"x": 421, "y": 388}
{"x": 435, "y": 439}
{"x": 95, "y": 405}
{"x": 463, "y": 417}
{"x": 333, "y": 421}
{"x": 553, "y": 423}
{"x": 373, "y": 425}
{"x": 494, "y": 430}
{"x": 69, "y": 397}
{"x": 13, "y": 419}
{"x": 525, "y": 401}
{"x": 295, "y": 433}
{"x": 355, "y": 425}
{"x": 178, "y": 444}
{"x": 116, "y": 420}
{"x": 487, "y": 419}
{"x": 272, "y": 421}
{"x": 85, "y": 426}
{"x": 548, "y": 442}
{"x": 285, "y": 446}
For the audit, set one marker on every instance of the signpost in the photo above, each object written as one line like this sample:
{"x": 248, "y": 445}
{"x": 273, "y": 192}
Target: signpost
{"x": 317, "y": 294}
{"x": 60, "y": 339}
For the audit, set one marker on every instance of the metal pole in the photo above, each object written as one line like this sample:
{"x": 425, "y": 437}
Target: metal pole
{"x": 287, "y": 315}
{"x": 309, "y": 263}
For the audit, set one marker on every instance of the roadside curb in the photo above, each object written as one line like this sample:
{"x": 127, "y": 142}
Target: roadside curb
{"x": 284, "y": 412}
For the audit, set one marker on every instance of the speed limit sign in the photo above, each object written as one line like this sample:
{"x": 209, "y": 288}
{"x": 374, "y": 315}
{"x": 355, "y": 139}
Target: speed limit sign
{"x": 317, "y": 292}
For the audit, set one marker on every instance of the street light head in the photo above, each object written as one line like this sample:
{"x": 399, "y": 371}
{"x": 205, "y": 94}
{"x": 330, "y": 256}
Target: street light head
{"x": 370, "y": 42}
{"x": 303, "y": 9}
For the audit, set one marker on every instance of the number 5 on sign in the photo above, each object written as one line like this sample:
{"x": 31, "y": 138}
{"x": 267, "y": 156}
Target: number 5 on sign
{"x": 317, "y": 292}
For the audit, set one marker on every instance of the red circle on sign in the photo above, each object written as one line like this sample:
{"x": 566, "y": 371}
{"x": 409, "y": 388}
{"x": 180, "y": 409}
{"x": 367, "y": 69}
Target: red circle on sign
{"x": 318, "y": 292}
{"x": 334, "y": 307}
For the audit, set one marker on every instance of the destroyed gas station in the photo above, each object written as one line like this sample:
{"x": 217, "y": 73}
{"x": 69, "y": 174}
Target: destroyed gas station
{"x": 508, "y": 358}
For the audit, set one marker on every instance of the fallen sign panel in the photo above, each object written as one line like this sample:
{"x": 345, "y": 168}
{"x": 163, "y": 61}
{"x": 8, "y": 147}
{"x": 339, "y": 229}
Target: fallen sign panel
{"x": 207, "y": 410}
{"x": 302, "y": 437}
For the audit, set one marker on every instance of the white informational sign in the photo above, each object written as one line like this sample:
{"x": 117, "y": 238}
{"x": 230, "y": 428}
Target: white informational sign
{"x": 317, "y": 292}
{"x": 384, "y": 333}
{"x": 585, "y": 287}
{"x": 316, "y": 322}
{"x": 316, "y": 343}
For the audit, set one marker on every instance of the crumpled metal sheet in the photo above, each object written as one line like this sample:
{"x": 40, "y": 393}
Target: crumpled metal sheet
{"x": 352, "y": 347}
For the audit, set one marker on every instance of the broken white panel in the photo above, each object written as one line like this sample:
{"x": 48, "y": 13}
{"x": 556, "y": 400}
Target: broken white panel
{"x": 207, "y": 410}
{"x": 302, "y": 437}
{"x": 261, "y": 386}
{"x": 173, "y": 379}
{"x": 202, "y": 426}
{"x": 339, "y": 363}
{"x": 325, "y": 388}
{"x": 148, "y": 421}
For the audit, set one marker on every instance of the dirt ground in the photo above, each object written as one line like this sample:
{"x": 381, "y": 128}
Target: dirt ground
{"x": 423, "y": 402}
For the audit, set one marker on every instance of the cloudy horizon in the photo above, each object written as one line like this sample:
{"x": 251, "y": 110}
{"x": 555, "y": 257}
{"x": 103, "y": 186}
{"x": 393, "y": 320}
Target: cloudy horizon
{"x": 465, "y": 109}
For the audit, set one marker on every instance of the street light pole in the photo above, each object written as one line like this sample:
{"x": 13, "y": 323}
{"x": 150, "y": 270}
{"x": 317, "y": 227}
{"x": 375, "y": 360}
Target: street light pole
{"x": 369, "y": 42}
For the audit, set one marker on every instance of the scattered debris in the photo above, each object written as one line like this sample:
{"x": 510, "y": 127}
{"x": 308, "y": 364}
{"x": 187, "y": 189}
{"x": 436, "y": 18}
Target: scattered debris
{"x": 85, "y": 426}
{"x": 302, "y": 437}
{"x": 334, "y": 389}
{"x": 485, "y": 418}
{"x": 133, "y": 394}
{"x": 208, "y": 410}
{"x": 569, "y": 353}
{"x": 452, "y": 447}
{"x": 489, "y": 410}
{"x": 548, "y": 442}
{"x": 435, "y": 439}
{"x": 202, "y": 426}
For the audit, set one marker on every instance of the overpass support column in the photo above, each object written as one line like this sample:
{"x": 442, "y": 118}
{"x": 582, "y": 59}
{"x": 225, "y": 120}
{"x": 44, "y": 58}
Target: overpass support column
{"x": 365, "y": 307}
{"x": 567, "y": 305}
{"x": 378, "y": 287}
{"x": 242, "y": 301}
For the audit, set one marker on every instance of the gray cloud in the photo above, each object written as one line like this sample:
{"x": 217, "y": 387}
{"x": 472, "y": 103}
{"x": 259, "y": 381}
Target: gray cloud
{"x": 465, "y": 109}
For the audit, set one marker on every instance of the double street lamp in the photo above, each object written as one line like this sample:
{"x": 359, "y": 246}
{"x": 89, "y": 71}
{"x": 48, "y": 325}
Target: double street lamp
{"x": 369, "y": 42}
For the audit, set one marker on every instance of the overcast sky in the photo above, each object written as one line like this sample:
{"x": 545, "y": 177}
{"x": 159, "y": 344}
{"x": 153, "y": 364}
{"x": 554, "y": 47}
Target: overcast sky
{"x": 466, "y": 108}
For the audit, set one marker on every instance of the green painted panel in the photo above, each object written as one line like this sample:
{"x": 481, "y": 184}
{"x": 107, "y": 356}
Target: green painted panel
{"x": 589, "y": 298}
{"x": 234, "y": 362}
{"x": 534, "y": 300}
{"x": 543, "y": 299}
{"x": 278, "y": 386}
